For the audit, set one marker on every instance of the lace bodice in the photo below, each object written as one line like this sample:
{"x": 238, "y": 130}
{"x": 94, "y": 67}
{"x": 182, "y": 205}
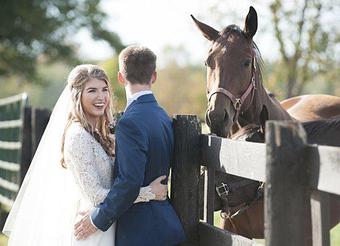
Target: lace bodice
{"x": 91, "y": 166}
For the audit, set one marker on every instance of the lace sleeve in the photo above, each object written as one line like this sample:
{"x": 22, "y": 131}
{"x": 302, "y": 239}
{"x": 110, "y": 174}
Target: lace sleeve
{"x": 79, "y": 147}
{"x": 145, "y": 195}
{"x": 81, "y": 151}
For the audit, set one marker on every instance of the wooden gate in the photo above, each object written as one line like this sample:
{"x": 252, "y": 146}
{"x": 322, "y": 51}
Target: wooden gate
{"x": 295, "y": 173}
{"x": 11, "y": 137}
{"x": 21, "y": 128}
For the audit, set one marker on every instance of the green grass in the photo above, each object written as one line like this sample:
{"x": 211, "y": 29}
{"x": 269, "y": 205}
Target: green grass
{"x": 335, "y": 236}
{"x": 3, "y": 240}
{"x": 335, "y": 232}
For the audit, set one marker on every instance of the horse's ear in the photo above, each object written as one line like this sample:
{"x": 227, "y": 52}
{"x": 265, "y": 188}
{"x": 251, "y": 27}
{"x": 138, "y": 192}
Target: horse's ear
{"x": 209, "y": 33}
{"x": 250, "y": 27}
{"x": 264, "y": 116}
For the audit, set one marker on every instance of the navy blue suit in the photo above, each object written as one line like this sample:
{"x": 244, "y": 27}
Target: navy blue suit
{"x": 144, "y": 145}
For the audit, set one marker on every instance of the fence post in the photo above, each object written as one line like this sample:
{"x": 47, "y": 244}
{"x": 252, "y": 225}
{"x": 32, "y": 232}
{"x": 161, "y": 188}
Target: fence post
{"x": 26, "y": 149}
{"x": 286, "y": 193}
{"x": 185, "y": 174}
{"x": 40, "y": 118}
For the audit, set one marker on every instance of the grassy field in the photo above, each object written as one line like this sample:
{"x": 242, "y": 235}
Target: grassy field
{"x": 3, "y": 240}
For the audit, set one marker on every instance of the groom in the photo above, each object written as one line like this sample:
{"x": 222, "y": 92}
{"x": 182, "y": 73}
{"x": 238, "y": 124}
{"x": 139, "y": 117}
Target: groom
{"x": 144, "y": 145}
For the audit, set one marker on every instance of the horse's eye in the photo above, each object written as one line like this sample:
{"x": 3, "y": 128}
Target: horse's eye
{"x": 247, "y": 63}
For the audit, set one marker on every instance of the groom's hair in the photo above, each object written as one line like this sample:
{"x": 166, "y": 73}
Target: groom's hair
{"x": 137, "y": 64}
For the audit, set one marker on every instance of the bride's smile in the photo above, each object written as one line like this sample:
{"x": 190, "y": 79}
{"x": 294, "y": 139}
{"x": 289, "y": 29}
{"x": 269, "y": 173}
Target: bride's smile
{"x": 95, "y": 98}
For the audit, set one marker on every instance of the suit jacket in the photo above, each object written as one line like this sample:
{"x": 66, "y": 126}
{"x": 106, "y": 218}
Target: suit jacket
{"x": 144, "y": 146}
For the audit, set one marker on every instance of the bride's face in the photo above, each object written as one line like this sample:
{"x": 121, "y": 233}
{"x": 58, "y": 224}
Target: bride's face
{"x": 95, "y": 99}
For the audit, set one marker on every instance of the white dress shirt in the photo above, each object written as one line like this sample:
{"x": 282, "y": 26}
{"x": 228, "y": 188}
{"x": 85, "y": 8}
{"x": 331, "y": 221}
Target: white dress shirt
{"x": 135, "y": 96}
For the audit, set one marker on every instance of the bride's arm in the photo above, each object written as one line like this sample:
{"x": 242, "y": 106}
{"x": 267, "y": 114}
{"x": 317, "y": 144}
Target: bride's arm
{"x": 81, "y": 151}
{"x": 155, "y": 191}
{"x": 79, "y": 147}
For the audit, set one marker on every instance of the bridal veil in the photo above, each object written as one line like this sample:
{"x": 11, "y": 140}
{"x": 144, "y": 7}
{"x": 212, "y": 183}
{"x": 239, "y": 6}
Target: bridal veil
{"x": 45, "y": 208}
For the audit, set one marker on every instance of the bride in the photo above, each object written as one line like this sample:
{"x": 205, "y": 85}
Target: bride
{"x": 72, "y": 169}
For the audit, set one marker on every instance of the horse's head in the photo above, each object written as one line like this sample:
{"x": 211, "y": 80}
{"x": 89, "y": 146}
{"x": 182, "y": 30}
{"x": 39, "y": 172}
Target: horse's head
{"x": 231, "y": 68}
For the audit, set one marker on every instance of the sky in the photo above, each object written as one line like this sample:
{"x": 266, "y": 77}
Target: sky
{"x": 160, "y": 23}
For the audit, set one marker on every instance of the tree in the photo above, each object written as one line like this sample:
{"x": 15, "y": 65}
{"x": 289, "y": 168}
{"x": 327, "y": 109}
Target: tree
{"x": 42, "y": 28}
{"x": 307, "y": 45}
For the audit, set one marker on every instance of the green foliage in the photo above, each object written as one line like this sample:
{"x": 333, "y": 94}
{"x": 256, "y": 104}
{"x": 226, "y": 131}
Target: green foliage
{"x": 181, "y": 89}
{"x": 111, "y": 68}
{"x": 41, "y": 28}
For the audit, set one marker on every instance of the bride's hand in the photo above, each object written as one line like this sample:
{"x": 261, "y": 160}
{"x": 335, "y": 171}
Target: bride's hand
{"x": 159, "y": 189}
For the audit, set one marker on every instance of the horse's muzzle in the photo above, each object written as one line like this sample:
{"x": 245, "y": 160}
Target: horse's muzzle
{"x": 218, "y": 122}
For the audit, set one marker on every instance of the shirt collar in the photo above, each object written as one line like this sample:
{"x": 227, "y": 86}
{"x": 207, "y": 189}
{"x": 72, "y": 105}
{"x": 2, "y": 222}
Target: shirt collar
{"x": 135, "y": 96}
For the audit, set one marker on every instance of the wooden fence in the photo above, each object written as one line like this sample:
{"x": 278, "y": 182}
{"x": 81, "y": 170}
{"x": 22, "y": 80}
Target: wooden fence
{"x": 21, "y": 128}
{"x": 294, "y": 173}
{"x": 298, "y": 176}
{"x": 11, "y": 125}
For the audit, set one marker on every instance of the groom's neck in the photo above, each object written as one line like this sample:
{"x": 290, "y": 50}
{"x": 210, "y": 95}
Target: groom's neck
{"x": 131, "y": 89}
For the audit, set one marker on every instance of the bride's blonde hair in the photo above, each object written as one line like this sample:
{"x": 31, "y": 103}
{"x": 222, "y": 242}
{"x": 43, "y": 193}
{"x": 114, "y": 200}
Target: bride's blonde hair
{"x": 76, "y": 81}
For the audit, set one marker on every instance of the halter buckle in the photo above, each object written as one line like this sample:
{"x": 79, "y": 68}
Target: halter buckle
{"x": 223, "y": 190}
{"x": 238, "y": 104}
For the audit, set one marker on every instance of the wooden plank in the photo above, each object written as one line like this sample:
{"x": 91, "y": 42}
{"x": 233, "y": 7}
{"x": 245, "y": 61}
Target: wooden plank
{"x": 10, "y": 124}
{"x": 286, "y": 193}
{"x": 239, "y": 158}
{"x": 26, "y": 139}
{"x": 9, "y": 185}
{"x": 320, "y": 218}
{"x": 210, "y": 235}
{"x": 185, "y": 175}
{"x": 40, "y": 118}
{"x": 10, "y": 145}
{"x": 12, "y": 99}
{"x": 247, "y": 160}
{"x": 5, "y": 201}
{"x": 209, "y": 195}
{"x": 10, "y": 166}
{"x": 324, "y": 163}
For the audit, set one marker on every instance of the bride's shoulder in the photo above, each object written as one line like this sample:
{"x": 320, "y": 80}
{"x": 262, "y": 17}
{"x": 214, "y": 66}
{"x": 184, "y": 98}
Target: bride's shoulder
{"x": 76, "y": 132}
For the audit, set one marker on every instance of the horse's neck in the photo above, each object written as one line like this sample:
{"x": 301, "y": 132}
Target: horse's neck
{"x": 275, "y": 110}
{"x": 261, "y": 98}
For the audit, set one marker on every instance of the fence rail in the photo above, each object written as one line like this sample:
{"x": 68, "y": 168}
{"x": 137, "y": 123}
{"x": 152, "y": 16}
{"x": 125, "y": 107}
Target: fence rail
{"x": 21, "y": 128}
{"x": 11, "y": 127}
{"x": 295, "y": 173}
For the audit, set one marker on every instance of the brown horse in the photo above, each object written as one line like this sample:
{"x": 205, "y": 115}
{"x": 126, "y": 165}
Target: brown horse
{"x": 237, "y": 96}
{"x": 234, "y": 83}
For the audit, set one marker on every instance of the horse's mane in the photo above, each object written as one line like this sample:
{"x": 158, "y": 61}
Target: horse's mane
{"x": 324, "y": 132}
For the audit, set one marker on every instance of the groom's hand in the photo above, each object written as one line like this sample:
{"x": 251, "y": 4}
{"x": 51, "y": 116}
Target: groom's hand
{"x": 84, "y": 228}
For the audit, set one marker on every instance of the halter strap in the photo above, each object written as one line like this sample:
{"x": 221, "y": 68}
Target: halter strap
{"x": 238, "y": 101}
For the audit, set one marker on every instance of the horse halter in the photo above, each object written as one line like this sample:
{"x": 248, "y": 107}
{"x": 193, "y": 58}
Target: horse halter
{"x": 238, "y": 101}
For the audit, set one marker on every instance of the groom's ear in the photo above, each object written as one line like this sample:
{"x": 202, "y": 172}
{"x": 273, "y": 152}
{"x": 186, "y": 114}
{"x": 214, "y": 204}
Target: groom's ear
{"x": 154, "y": 77}
{"x": 121, "y": 79}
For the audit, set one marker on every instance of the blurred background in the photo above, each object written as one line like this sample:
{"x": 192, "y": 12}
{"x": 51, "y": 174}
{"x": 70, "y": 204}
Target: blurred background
{"x": 41, "y": 40}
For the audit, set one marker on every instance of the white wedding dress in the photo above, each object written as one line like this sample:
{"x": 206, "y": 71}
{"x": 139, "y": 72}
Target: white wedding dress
{"x": 50, "y": 197}
{"x": 92, "y": 169}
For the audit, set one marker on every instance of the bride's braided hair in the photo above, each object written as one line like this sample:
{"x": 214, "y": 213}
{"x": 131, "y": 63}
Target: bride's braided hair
{"x": 76, "y": 82}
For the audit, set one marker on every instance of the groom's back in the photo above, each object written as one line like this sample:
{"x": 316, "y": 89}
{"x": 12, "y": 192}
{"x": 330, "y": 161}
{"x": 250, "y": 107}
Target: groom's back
{"x": 155, "y": 221}
{"x": 157, "y": 126}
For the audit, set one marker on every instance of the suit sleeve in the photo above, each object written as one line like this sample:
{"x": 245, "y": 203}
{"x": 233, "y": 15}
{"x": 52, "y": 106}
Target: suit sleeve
{"x": 131, "y": 159}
